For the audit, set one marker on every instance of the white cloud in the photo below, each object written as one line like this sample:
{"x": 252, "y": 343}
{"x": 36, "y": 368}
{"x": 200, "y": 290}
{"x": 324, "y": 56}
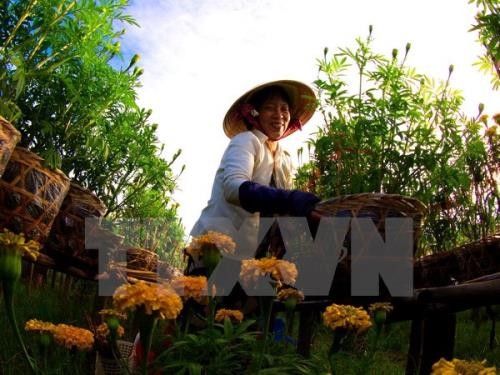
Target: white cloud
{"x": 199, "y": 56}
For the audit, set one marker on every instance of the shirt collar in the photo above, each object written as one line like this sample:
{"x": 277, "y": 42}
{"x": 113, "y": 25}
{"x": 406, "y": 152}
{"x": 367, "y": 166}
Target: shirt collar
{"x": 262, "y": 137}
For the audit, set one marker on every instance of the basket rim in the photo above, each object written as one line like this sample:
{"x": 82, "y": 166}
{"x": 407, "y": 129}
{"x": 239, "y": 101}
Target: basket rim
{"x": 416, "y": 205}
{"x": 74, "y": 185}
{"x": 10, "y": 126}
{"x": 38, "y": 158}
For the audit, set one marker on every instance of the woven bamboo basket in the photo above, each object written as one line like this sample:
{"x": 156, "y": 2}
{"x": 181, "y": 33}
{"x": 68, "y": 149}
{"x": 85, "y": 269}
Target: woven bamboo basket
{"x": 9, "y": 136}
{"x": 164, "y": 272}
{"x": 141, "y": 259}
{"x": 378, "y": 207}
{"x": 458, "y": 265}
{"x": 104, "y": 241}
{"x": 67, "y": 236}
{"x": 30, "y": 195}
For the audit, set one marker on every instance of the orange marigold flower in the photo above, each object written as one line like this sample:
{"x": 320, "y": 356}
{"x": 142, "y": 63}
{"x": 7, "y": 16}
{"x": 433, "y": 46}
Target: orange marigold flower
{"x": 190, "y": 286}
{"x": 491, "y": 131}
{"x": 102, "y": 331}
{"x": 39, "y": 326}
{"x": 230, "y": 314}
{"x": 288, "y": 293}
{"x": 155, "y": 298}
{"x": 461, "y": 367}
{"x": 346, "y": 317}
{"x": 211, "y": 239}
{"x": 483, "y": 118}
{"x": 280, "y": 270}
{"x": 73, "y": 337}
{"x": 496, "y": 118}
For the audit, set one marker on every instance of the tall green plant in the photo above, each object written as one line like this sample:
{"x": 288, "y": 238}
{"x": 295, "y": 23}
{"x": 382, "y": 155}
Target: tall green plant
{"x": 488, "y": 27}
{"x": 79, "y": 112}
{"x": 398, "y": 131}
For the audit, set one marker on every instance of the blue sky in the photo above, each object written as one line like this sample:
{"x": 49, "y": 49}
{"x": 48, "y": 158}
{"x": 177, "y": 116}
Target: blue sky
{"x": 199, "y": 56}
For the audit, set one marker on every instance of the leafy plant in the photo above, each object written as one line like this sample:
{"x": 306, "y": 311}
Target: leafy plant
{"x": 488, "y": 27}
{"x": 401, "y": 132}
{"x": 58, "y": 87}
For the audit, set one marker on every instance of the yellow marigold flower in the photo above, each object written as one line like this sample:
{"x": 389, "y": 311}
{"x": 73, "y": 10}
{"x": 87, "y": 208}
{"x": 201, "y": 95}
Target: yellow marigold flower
{"x": 346, "y": 317}
{"x": 39, "y": 326}
{"x": 190, "y": 286}
{"x": 105, "y": 313}
{"x": 11, "y": 243}
{"x": 281, "y": 270}
{"x": 211, "y": 239}
{"x": 380, "y": 306}
{"x": 226, "y": 313}
{"x": 288, "y": 293}
{"x": 155, "y": 298}
{"x": 461, "y": 367}
{"x": 491, "y": 131}
{"x": 102, "y": 331}
{"x": 496, "y": 118}
{"x": 483, "y": 118}
{"x": 73, "y": 337}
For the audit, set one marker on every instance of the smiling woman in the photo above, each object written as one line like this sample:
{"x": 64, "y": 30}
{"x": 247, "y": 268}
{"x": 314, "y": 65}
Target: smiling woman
{"x": 254, "y": 178}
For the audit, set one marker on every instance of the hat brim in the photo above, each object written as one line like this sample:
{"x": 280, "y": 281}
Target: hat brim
{"x": 303, "y": 105}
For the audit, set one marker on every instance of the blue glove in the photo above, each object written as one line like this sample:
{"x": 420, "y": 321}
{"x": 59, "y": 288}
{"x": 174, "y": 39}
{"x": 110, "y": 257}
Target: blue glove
{"x": 255, "y": 197}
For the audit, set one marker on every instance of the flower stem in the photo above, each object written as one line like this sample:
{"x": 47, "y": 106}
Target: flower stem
{"x": 8, "y": 293}
{"x": 45, "y": 350}
{"x": 186, "y": 322}
{"x": 146, "y": 329}
{"x": 115, "y": 351}
{"x": 338, "y": 338}
{"x": 212, "y": 303}
{"x": 266, "y": 306}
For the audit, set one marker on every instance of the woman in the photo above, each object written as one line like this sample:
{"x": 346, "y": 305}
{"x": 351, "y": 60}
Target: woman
{"x": 254, "y": 177}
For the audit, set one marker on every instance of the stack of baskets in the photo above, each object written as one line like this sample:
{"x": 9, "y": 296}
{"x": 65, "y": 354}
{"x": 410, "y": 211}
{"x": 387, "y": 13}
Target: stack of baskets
{"x": 41, "y": 203}
{"x": 66, "y": 242}
{"x": 30, "y": 195}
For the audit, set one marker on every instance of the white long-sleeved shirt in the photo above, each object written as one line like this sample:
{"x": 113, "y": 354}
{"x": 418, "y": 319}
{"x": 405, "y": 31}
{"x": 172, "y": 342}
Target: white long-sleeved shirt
{"x": 247, "y": 158}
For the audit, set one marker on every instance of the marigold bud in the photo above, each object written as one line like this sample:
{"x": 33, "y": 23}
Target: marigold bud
{"x": 135, "y": 58}
{"x": 379, "y": 317}
{"x": 481, "y": 107}
{"x": 10, "y": 266}
{"x": 113, "y": 323}
{"x": 290, "y": 304}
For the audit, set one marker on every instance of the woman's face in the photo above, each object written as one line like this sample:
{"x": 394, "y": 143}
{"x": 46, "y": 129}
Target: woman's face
{"x": 274, "y": 116}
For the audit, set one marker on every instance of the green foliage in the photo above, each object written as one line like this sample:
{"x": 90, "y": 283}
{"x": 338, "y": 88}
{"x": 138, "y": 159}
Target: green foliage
{"x": 73, "y": 108}
{"x": 44, "y": 303}
{"x": 401, "y": 132}
{"x": 228, "y": 349}
{"x": 488, "y": 27}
